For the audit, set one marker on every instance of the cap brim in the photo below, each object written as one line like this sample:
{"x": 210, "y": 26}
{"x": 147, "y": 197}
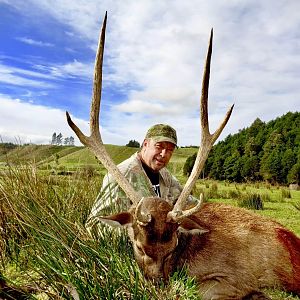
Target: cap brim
{"x": 159, "y": 139}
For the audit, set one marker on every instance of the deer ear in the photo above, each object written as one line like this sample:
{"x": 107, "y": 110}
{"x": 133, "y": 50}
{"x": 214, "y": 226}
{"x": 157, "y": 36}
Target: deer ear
{"x": 122, "y": 219}
{"x": 189, "y": 226}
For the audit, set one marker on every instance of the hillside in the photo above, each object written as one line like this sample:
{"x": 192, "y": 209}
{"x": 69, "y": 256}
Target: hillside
{"x": 71, "y": 157}
{"x": 264, "y": 151}
{"x": 34, "y": 153}
{"x": 67, "y": 155}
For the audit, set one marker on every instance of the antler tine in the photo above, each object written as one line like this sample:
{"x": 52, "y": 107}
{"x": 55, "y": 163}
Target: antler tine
{"x": 207, "y": 141}
{"x": 94, "y": 141}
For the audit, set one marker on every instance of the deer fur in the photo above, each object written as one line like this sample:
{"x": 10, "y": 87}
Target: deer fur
{"x": 232, "y": 252}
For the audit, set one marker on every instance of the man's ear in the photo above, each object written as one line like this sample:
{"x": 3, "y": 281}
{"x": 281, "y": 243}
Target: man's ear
{"x": 189, "y": 226}
{"x": 122, "y": 219}
{"x": 145, "y": 142}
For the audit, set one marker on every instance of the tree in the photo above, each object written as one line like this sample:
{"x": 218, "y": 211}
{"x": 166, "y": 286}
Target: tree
{"x": 67, "y": 141}
{"x": 232, "y": 168}
{"x": 271, "y": 167}
{"x": 71, "y": 141}
{"x": 133, "y": 144}
{"x": 188, "y": 165}
{"x": 294, "y": 174}
{"x": 53, "y": 141}
{"x": 266, "y": 151}
{"x": 59, "y": 139}
{"x": 289, "y": 159}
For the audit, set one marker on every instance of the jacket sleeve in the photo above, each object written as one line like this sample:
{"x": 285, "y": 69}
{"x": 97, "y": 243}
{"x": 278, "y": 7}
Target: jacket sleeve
{"x": 111, "y": 199}
{"x": 175, "y": 191}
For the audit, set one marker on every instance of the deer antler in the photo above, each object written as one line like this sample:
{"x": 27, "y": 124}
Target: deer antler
{"x": 207, "y": 141}
{"x": 94, "y": 141}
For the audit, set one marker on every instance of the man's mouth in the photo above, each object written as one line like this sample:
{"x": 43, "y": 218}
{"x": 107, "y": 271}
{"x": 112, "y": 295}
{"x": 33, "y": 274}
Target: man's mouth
{"x": 159, "y": 162}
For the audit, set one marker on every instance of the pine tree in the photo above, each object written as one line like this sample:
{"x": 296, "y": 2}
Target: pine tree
{"x": 71, "y": 141}
{"x": 53, "y": 141}
{"x": 59, "y": 139}
{"x": 67, "y": 141}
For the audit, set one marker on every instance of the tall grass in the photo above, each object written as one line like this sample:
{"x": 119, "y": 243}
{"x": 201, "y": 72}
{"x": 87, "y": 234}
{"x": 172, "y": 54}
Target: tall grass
{"x": 251, "y": 201}
{"x": 44, "y": 241}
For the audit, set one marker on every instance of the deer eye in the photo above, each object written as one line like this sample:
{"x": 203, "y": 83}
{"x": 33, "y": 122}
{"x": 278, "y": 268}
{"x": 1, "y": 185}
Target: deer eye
{"x": 140, "y": 249}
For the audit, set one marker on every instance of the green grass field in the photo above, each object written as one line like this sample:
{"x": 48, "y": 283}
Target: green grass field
{"x": 44, "y": 243}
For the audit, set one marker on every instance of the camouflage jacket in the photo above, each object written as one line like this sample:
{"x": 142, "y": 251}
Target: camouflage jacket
{"x": 112, "y": 199}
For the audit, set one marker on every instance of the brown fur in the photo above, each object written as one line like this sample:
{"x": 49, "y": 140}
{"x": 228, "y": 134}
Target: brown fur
{"x": 231, "y": 252}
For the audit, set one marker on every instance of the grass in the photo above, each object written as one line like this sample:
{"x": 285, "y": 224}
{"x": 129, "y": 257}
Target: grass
{"x": 44, "y": 243}
{"x": 284, "y": 210}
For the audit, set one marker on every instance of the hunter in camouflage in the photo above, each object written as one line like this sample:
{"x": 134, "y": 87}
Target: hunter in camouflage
{"x": 146, "y": 171}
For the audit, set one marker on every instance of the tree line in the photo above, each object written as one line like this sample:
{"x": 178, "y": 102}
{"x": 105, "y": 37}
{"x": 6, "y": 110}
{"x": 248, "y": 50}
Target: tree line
{"x": 264, "y": 151}
{"x": 57, "y": 139}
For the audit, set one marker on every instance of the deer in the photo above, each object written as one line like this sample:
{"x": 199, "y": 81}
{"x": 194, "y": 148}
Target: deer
{"x": 231, "y": 252}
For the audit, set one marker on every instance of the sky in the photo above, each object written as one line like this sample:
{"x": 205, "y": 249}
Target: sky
{"x": 153, "y": 65}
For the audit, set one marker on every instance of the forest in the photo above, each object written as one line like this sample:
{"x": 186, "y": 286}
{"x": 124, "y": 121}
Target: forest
{"x": 262, "y": 152}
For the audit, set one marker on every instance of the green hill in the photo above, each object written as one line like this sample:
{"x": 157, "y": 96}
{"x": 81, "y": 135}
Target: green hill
{"x": 35, "y": 153}
{"x": 72, "y": 157}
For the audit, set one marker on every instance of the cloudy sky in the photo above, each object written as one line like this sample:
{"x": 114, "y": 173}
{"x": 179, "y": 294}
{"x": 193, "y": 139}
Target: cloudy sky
{"x": 154, "y": 57}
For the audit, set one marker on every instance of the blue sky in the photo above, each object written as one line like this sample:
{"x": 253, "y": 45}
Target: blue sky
{"x": 154, "y": 57}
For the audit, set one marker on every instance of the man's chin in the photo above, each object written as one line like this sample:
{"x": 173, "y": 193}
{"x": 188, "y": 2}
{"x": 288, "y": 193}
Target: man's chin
{"x": 158, "y": 166}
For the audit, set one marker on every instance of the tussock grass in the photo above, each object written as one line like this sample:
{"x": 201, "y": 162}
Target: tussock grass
{"x": 286, "y": 194}
{"x": 44, "y": 240}
{"x": 251, "y": 201}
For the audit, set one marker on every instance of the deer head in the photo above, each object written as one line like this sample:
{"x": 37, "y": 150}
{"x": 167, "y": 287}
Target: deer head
{"x": 153, "y": 224}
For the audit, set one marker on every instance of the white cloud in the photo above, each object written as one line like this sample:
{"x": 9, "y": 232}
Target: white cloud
{"x": 31, "y": 123}
{"x": 30, "y": 41}
{"x": 22, "y": 77}
{"x": 157, "y": 48}
{"x": 44, "y": 74}
{"x": 25, "y": 122}
{"x": 71, "y": 69}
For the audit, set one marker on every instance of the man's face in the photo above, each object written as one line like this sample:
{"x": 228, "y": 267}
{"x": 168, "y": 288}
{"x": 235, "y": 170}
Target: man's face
{"x": 156, "y": 155}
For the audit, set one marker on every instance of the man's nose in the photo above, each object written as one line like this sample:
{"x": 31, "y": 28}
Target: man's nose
{"x": 163, "y": 152}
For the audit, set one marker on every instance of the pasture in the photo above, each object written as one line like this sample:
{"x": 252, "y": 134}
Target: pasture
{"x": 46, "y": 194}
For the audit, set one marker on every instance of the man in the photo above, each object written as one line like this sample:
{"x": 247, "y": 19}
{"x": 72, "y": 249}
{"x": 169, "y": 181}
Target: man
{"x": 146, "y": 171}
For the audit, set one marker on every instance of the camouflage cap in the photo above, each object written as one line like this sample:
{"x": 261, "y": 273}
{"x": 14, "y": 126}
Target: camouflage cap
{"x": 162, "y": 133}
